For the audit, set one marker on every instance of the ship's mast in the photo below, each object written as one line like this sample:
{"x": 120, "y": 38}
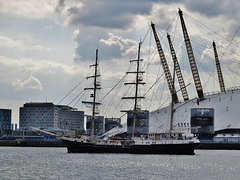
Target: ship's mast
{"x": 191, "y": 58}
{"x": 219, "y": 71}
{"x": 96, "y": 86}
{"x": 178, "y": 71}
{"x": 165, "y": 65}
{"x": 138, "y": 81}
{"x": 172, "y": 103}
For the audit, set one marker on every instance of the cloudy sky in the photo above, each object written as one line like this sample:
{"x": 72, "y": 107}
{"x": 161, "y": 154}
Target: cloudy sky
{"x": 46, "y": 46}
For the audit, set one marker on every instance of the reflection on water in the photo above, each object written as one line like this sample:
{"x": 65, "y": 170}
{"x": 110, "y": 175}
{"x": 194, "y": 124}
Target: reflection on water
{"x": 56, "y": 163}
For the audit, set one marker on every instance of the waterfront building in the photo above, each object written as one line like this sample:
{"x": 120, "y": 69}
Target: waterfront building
{"x": 111, "y": 123}
{"x": 98, "y": 125}
{"x": 141, "y": 123}
{"x": 5, "y": 121}
{"x": 202, "y": 123}
{"x": 50, "y": 116}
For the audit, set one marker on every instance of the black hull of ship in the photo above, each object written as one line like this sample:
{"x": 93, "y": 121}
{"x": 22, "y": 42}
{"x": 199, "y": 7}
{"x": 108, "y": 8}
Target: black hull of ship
{"x": 180, "y": 149}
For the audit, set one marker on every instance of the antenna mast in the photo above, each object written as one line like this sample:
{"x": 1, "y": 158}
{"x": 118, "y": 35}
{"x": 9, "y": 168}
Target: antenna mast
{"x": 178, "y": 70}
{"x": 191, "y": 58}
{"x": 165, "y": 66}
{"x": 220, "y": 76}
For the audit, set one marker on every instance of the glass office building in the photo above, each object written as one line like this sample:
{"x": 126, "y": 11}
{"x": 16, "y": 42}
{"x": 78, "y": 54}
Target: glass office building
{"x": 5, "y": 121}
{"x": 48, "y": 115}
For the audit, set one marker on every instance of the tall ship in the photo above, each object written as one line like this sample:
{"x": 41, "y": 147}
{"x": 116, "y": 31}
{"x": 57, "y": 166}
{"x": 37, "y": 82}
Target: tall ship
{"x": 136, "y": 142}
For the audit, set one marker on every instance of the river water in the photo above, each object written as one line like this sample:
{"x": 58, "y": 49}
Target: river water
{"x": 55, "y": 163}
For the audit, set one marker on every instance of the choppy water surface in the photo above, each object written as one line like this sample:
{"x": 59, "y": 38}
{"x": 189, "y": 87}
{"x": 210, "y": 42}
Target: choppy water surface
{"x": 55, "y": 163}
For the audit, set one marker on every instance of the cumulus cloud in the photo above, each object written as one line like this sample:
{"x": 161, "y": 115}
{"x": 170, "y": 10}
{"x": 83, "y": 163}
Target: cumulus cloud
{"x": 33, "y": 9}
{"x": 111, "y": 47}
{"x": 214, "y": 8}
{"x": 119, "y": 45}
{"x": 7, "y": 42}
{"x": 30, "y": 83}
{"x": 60, "y": 6}
{"x": 30, "y": 66}
{"x": 107, "y": 13}
{"x": 32, "y": 74}
{"x": 76, "y": 55}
